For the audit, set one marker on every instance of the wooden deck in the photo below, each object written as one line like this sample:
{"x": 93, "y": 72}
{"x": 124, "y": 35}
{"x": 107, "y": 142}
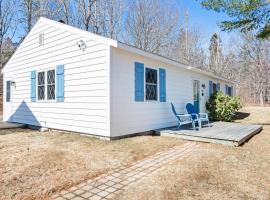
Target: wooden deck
{"x": 233, "y": 134}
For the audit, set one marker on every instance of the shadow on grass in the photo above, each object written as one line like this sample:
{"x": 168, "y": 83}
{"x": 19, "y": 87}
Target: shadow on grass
{"x": 240, "y": 115}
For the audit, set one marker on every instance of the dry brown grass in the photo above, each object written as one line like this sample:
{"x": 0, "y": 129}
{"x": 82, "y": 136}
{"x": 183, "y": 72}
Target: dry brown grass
{"x": 34, "y": 165}
{"x": 214, "y": 172}
{"x": 254, "y": 115}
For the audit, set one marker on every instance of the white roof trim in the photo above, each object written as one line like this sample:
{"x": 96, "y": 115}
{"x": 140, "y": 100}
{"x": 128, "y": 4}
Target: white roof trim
{"x": 81, "y": 32}
{"x": 169, "y": 61}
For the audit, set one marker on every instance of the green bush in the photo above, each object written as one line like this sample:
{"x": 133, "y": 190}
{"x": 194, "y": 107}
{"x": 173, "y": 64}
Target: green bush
{"x": 222, "y": 107}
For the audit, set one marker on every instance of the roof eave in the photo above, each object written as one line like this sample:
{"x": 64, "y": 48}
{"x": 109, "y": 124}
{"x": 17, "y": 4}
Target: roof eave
{"x": 169, "y": 61}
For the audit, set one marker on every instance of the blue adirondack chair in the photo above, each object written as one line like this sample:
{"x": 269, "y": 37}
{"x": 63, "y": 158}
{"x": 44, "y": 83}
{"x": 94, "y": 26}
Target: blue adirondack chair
{"x": 197, "y": 117}
{"x": 183, "y": 118}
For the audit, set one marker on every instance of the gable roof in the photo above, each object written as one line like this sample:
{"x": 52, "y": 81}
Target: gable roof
{"x": 117, "y": 44}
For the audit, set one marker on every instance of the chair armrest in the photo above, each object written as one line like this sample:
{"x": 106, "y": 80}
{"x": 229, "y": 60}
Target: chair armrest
{"x": 203, "y": 115}
{"x": 196, "y": 115}
{"x": 185, "y": 116}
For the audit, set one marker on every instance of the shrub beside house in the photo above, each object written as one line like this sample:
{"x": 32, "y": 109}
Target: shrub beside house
{"x": 222, "y": 106}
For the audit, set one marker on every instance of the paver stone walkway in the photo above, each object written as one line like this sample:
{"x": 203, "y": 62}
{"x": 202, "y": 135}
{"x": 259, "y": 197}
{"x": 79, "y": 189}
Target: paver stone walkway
{"x": 108, "y": 185}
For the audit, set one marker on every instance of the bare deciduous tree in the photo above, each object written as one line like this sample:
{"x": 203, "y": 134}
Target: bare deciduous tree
{"x": 151, "y": 25}
{"x": 87, "y": 14}
{"x": 29, "y": 9}
{"x": 110, "y": 14}
{"x": 254, "y": 79}
{"x": 8, "y": 26}
{"x": 187, "y": 48}
{"x": 66, "y": 11}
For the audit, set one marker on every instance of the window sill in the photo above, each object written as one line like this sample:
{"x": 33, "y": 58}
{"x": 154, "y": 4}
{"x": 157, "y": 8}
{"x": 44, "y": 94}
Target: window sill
{"x": 46, "y": 101}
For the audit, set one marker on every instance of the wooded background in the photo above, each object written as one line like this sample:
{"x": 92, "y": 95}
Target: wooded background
{"x": 164, "y": 31}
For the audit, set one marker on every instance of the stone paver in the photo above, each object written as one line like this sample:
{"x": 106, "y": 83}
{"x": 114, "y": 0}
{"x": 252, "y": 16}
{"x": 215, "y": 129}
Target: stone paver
{"x": 107, "y": 185}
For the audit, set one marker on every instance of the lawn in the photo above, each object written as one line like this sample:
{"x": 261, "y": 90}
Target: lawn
{"x": 254, "y": 115}
{"x": 215, "y": 171}
{"x": 34, "y": 165}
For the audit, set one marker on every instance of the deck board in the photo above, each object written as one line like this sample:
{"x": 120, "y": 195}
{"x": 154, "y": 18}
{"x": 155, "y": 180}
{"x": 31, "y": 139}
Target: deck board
{"x": 221, "y": 132}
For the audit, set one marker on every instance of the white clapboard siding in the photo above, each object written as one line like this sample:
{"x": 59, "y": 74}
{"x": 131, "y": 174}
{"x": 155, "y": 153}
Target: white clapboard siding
{"x": 66, "y": 107}
{"x": 86, "y": 105}
{"x": 128, "y": 116}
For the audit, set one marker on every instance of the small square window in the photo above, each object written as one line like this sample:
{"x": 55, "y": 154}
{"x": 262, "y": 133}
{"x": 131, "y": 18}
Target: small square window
{"x": 151, "y": 84}
{"x": 41, "y": 86}
{"x": 41, "y": 39}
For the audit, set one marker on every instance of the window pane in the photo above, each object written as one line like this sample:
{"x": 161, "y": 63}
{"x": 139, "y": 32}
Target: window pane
{"x": 41, "y": 78}
{"x": 41, "y": 85}
{"x": 51, "y": 76}
{"x": 41, "y": 92}
{"x": 151, "y": 92}
{"x": 51, "y": 92}
{"x": 151, "y": 84}
{"x": 151, "y": 76}
{"x": 51, "y": 84}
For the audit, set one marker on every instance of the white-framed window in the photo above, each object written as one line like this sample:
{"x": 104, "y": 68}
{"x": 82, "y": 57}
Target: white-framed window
{"x": 41, "y": 85}
{"x": 51, "y": 84}
{"x": 46, "y": 85}
{"x": 151, "y": 84}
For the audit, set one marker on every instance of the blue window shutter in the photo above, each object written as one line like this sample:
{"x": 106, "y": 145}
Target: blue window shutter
{"x": 210, "y": 88}
{"x": 139, "y": 81}
{"x": 162, "y": 85}
{"x": 33, "y": 85}
{"x": 60, "y": 83}
{"x": 232, "y": 92}
{"x": 218, "y": 86}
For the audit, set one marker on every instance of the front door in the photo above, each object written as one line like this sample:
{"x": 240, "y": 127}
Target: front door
{"x": 196, "y": 95}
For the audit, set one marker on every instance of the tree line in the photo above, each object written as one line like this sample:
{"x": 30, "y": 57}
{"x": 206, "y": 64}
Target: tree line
{"x": 154, "y": 26}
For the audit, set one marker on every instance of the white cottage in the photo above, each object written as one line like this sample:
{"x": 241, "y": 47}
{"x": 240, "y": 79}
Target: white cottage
{"x": 65, "y": 78}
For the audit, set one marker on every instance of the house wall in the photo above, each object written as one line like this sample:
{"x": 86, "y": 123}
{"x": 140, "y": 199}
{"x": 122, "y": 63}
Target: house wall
{"x": 128, "y": 116}
{"x": 1, "y": 95}
{"x": 86, "y": 105}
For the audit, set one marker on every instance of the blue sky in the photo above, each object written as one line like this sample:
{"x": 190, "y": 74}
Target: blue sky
{"x": 205, "y": 20}
{"x": 199, "y": 16}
